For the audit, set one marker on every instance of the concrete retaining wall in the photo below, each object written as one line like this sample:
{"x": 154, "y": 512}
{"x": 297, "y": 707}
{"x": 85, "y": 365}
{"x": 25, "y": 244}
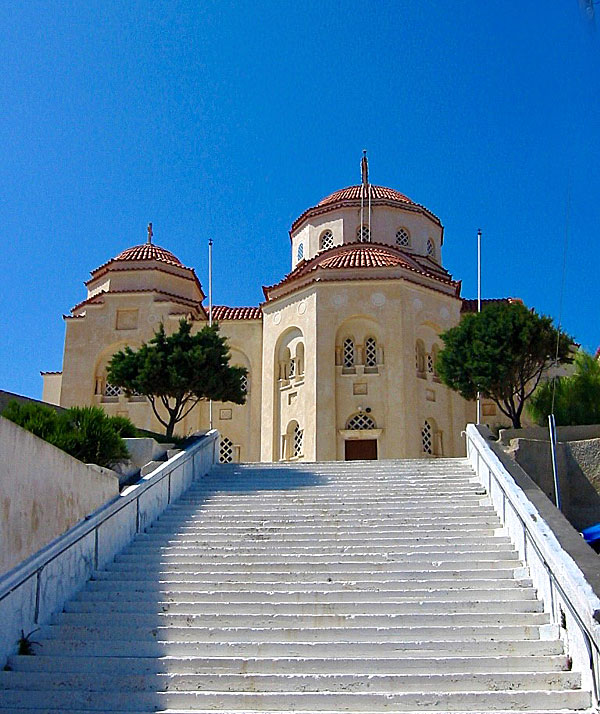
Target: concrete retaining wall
{"x": 563, "y": 568}
{"x": 43, "y": 493}
{"x": 563, "y": 433}
{"x": 39, "y": 587}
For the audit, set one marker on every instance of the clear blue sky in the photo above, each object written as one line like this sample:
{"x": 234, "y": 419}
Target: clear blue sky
{"x": 227, "y": 119}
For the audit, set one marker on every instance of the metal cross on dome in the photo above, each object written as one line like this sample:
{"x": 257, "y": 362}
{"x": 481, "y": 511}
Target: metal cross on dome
{"x": 150, "y": 233}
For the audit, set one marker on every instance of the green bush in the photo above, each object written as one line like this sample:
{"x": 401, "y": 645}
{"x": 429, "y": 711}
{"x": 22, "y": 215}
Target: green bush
{"x": 87, "y": 433}
{"x": 125, "y": 428}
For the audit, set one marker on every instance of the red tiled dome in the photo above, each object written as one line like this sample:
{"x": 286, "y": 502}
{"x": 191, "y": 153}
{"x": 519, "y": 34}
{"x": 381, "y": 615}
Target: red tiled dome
{"x": 362, "y": 255}
{"x": 149, "y": 251}
{"x": 354, "y": 193}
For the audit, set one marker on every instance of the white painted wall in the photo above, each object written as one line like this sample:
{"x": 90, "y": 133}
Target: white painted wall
{"x": 43, "y": 493}
{"x": 33, "y": 591}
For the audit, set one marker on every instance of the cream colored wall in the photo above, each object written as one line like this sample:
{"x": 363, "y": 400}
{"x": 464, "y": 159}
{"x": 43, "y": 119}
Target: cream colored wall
{"x": 392, "y": 312}
{"x": 284, "y": 401}
{"x": 170, "y": 279}
{"x": 243, "y": 428}
{"x": 52, "y": 386}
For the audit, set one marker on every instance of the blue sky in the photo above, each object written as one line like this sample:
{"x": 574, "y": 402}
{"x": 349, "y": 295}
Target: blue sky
{"x": 227, "y": 119}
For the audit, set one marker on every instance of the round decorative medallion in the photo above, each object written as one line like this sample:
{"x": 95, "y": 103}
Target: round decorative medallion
{"x": 378, "y": 299}
{"x": 276, "y": 318}
{"x": 152, "y": 318}
{"x": 339, "y": 299}
{"x": 301, "y": 308}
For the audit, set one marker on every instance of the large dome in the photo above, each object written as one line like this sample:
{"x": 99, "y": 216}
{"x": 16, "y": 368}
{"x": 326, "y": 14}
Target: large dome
{"x": 149, "y": 251}
{"x": 355, "y": 193}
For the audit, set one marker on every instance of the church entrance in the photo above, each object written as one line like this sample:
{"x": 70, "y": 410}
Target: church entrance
{"x": 358, "y": 449}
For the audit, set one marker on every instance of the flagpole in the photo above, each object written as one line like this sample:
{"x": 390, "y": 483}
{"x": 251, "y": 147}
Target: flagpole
{"x": 210, "y": 318}
{"x": 479, "y": 309}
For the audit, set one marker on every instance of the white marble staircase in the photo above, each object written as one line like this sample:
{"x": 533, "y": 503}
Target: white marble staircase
{"x": 331, "y": 587}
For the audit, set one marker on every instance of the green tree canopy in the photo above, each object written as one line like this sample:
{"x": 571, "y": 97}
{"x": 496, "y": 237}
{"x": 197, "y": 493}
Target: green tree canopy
{"x": 576, "y": 398}
{"x": 502, "y": 353}
{"x": 178, "y": 371}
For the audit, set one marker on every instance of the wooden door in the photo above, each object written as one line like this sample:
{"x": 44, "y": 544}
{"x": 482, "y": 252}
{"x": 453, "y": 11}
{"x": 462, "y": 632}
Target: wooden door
{"x": 358, "y": 449}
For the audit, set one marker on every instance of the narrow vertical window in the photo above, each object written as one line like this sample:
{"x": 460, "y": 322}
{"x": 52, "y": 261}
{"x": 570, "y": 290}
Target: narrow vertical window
{"x": 363, "y": 234}
{"x": 298, "y": 437}
{"x": 427, "y": 438}
{"x": 370, "y": 352}
{"x": 326, "y": 240}
{"x": 226, "y": 451}
{"x": 348, "y": 352}
{"x": 430, "y": 247}
{"x": 300, "y": 251}
{"x": 402, "y": 237}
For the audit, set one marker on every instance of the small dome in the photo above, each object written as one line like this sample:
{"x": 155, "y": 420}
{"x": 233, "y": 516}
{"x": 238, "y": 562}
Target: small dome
{"x": 149, "y": 251}
{"x": 354, "y": 193}
{"x": 362, "y": 255}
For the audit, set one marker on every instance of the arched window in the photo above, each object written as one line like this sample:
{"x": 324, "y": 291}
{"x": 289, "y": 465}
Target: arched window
{"x": 348, "y": 354}
{"x": 225, "y": 450}
{"x": 420, "y": 358}
{"x": 298, "y": 437}
{"x": 427, "y": 438}
{"x": 434, "y": 355}
{"x": 430, "y": 247}
{"x": 402, "y": 237}
{"x": 326, "y": 240}
{"x": 360, "y": 421}
{"x": 363, "y": 234}
{"x": 370, "y": 352}
{"x": 300, "y": 251}
{"x": 300, "y": 359}
{"x": 430, "y": 363}
{"x": 244, "y": 384}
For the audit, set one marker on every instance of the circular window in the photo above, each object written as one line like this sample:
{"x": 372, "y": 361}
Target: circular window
{"x": 326, "y": 240}
{"x": 402, "y": 237}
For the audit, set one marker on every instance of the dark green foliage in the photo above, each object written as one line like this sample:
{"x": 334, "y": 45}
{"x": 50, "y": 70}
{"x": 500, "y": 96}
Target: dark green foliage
{"x": 36, "y": 418}
{"x": 124, "y": 427}
{"x": 577, "y": 398}
{"x": 177, "y": 371}
{"x": 501, "y": 352}
{"x": 87, "y": 433}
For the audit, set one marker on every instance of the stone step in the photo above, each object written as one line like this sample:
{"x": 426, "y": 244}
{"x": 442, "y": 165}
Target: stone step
{"x": 326, "y": 582}
{"x": 268, "y": 683}
{"x": 412, "y": 619}
{"x": 340, "y": 648}
{"x": 303, "y": 701}
{"x": 419, "y": 661}
{"x": 429, "y": 520}
{"x": 273, "y": 606}
{"x": 411, "y": 508}
{"x": 503, "y": 592}
{"x": 486, "y": 527}
{"x": 439, "y": 633}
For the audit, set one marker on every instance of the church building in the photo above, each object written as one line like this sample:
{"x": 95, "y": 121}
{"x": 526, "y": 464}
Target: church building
{"x": 340, "y": 355}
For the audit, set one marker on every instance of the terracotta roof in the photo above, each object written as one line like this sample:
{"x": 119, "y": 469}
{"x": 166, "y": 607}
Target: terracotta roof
{"x": 149, "y": 251}
{"x": 351, "y": 196}
{"x": 354, "y": 193}
{"x": 360, "y": 255}
{"x": 471, "y": 305}
{"x": 222, "y": 312}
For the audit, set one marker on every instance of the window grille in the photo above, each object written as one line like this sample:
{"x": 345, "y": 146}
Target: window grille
{"x": 292, "y": 368}
{"x": 429, "y": 246}
{"x": 371, "y": 352}
{"x": 402, "y": 237}
{"x": 327, "y": 240}
{"x": 111, "y": 390}
{"x": 226, "y": 451}
{"x": 427, "y": 438}
{"x": 360, "y": 421}
{"x": 430, "y": 364}
{"x": 244, "y": 384}
{"x": 363, "y": 234}
{"x": 301, "y": 251}
{"x": 298, "y": 436}
{"x": 348, "y": 352}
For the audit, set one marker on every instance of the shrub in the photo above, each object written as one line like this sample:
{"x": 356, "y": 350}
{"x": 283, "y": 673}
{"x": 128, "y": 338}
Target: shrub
{"x": 87, "y": 433}
{"x": 124, "y": 427}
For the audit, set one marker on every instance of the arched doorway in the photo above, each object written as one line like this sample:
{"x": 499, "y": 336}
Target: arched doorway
{"x": 361, "y": 438}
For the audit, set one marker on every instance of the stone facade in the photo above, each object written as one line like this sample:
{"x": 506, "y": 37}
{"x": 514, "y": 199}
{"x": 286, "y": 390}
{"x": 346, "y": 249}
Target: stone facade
{"x": 340, "y": 355}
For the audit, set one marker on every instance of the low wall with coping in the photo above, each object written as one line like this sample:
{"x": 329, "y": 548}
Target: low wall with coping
{"x": 39, "y": 587}
{"x": 43, "y": 493}
{"x": 563, "y": 568}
